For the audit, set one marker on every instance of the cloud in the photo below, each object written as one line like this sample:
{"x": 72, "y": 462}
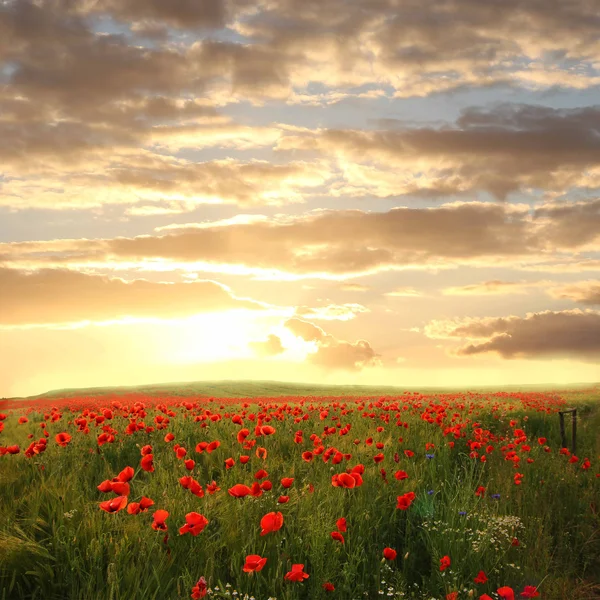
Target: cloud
{"x": 583, "y": 292}
{"x": 336, "y": 244}
{"x": 332, "y": 353}
{"x": 493, "y": 287}
{"x": 331, "y": 312}
{"x": 404, "y": 292}
{"x": 563, "y": 334}
{"x": 503, "y": 149}
{"x": 354, "y": 287}
{"x": 52, "y": 296}
{"x": 272, "y": 346}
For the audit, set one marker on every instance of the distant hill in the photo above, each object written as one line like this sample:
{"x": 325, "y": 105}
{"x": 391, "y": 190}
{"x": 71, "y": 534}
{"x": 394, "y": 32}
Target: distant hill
{"x": 248, "y": 389}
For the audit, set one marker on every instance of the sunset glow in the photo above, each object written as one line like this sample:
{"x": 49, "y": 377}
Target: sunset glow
{"x": 327, "y": 192}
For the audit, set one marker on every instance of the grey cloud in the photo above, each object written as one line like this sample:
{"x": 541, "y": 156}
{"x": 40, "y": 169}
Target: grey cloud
{"x": 500, "y": 150}
{"x": 567, "y": 334}
{"x": 335, "y": 243}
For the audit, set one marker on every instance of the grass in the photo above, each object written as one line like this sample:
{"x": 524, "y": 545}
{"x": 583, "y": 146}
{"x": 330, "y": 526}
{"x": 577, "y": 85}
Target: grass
{"x": 252, "y": 389}
{"x": 55, "y": 542}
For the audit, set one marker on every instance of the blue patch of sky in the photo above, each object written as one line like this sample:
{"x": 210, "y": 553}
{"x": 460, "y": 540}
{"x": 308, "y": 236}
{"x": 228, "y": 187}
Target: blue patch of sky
{"x": 7, "y": 70}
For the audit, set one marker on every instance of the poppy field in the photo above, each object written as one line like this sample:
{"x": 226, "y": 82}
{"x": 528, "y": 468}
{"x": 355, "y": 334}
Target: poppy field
{"x": 421, "y": 496}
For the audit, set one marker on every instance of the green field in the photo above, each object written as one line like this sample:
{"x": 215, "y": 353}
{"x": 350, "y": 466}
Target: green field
{"x": 56, "y": 542}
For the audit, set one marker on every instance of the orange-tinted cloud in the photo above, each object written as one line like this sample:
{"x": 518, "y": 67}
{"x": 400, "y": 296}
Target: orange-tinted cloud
{"x": 333, "y": 353}
{"x": 272, "y": 346}
{"x": 582, "y": 292}
{"x": 341, "y": 243}
{"x": 62, "y": 296}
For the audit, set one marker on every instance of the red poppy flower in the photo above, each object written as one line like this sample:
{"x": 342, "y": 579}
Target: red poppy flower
{"x": 444, "y": 563}
{"x": 307, "y": 456}
{"x": 378, "y": 458}
{"x": 194, "y": 524}
{"x": 283, "y": 499}
{"x": 254, "y": 563}
{"x": 147, "y": 464}
{"x": 200, "y": 589}
{"x": 213, "y": 446}
{"x": 244, "y": 459}
{"x": 344, "y": 480}
{"x": 126, "y": 474}
{"x": 261, "y": 474}
{"x": 328, "y": 587}
{"x": 296, "y": 574}
{"x": 405, "y": 500}
{"x": 409, "y": 453}
{"x": 401, "y": 475}
{"x": 341, "y": 525}
{"x": 481, "y": 577}
{"x": 212, "y": 488}
{"x": 23, "y": 420}
{"x": 261, "y": 453}
{"x": 506, "y": 593}
{"x": 62, "y": 439}
{"x": 266, "y": 485}
{"x": 105, "y": 486}
{"x": 242, "y": 435}
{"x": 146, "y": 450}
{"x": 530, "y": 591}
{"x": 286, "y": 482}
{"x": 255, "y": 490}
{"x": 271, "y": 522}
{"x": 229, "y": 463}
{"x": 114, "y": 505}
{"x": 239, "y": 490}
{"x": 201, "y": 447}
{"x": 189, "y": 464}
{"x": 480, "y": 492}
{"x": 337, "y": 536}
{"x": 159, "y": 518}
{"x": 169, "y": 437}
{"x": 485, "y": 597}
{"x": 120, "y": 488}
{"x": 389, "y": 554}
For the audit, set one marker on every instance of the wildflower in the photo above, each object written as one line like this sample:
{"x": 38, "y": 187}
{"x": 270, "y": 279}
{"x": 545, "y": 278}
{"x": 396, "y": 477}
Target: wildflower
{"x": 271, "y": 522}
{"x": 62, "y": 439}
{"x": 114, "y": 505}
{"x": 195, "y": 523}
{"x": 239, "y": 491}
{"x": 481, "y": 577}
{"x": 296, "y": 574}
{"x": 405, "y": 500}
{"x": 336, "y": 535}
{"x": 159, "y": 520}
{"x": 444, "y": 563}
{"x": 389, "y": 553}
{"x": 506, "y": 593}
{"x": 199, "y": 590}
{"x": 254, "y": 563}
{"x": 530, "y": 591}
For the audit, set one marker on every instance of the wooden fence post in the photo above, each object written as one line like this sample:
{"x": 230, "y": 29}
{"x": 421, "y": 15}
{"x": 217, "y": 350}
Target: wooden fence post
{"x": 563, "y": 435}
{"x": 574, "y": 430}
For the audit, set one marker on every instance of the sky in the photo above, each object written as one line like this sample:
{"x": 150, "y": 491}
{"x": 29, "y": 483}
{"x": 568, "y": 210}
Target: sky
{"x": 393, "y": 192}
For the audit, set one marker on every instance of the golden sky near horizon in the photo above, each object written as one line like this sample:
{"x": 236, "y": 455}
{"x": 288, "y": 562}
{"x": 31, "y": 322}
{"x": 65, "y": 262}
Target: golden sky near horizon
{"x": 382, "y": 191}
